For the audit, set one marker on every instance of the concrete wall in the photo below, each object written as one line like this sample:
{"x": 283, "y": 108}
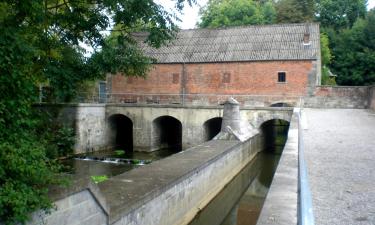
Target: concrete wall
{"x": 77, "y": 209}
{"x": 170, "y": 191}
{"x": 338, "y": 97}
{"x": 198, "y": 174}
{"x": 93, "y": 131}
{"x": 87, "y": 120}
{"x": 91, "y": 127}
{"x": 191, "y": 118}
{"x": 79, "y": 204}
{"x": 281, "y": 204}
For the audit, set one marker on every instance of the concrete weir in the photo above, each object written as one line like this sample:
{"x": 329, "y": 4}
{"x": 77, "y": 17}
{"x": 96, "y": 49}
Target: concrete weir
{"x": 169, "y": 191}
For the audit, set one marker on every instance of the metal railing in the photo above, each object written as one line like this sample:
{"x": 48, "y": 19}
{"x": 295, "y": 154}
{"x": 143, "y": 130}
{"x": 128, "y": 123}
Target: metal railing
{"x": 305, "y": 211}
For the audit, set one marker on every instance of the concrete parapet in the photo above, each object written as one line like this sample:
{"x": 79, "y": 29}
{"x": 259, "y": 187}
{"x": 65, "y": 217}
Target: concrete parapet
{"x": 281, "y": 204}
{"x": 167, "y": 192}
{"x": 79, "y": 203}
{"x": 338, "y": 97}
{"x": 372, "y": 97}
{"x": 175, "y": 189}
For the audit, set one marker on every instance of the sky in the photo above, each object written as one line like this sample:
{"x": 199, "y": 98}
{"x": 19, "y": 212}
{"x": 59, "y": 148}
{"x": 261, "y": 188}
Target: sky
{"x": 190, "y": 14}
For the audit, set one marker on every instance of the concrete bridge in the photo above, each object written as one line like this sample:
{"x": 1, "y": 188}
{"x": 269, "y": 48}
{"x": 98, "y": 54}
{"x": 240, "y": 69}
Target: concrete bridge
{"x": 150, "y": 127}
{"x": 175, "y": 189}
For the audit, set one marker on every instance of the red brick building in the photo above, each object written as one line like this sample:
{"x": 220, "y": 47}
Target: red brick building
{"x": 271, "y": 63}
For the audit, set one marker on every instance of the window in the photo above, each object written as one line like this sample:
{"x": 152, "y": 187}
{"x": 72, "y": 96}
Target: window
{"x": 226, "y": 78}
{"x": 281, "y": 78}
{"x": 176, "y": 78}
{"x": 102, "y": 91}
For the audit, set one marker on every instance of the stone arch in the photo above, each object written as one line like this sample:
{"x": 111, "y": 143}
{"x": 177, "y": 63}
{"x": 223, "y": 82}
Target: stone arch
{"x": 264, "y": 117}
{"x": 121, "y": 132}
{"x": 166, "y": 133}
{"x": 275, "y": 133}
{"x": 212, "y": 127}
{"x": 281, "y": 104}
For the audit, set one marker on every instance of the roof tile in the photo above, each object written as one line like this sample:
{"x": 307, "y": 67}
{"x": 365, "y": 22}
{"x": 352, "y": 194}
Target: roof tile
{"x": 250, "y": 43}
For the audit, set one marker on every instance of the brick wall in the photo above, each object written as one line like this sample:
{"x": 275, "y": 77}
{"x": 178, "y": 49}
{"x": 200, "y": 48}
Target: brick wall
{"x": 249, "y": 78}
{"x": 339, "y": 97}
{"x": 159, "y": 80}
{"x": 246, "y": 78}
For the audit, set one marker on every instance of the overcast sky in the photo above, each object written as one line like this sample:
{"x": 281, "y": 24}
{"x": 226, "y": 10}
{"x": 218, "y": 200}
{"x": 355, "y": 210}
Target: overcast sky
{"x": 190, "y": 16}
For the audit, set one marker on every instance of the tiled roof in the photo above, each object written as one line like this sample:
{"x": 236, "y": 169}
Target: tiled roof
{"x": 248, "y": 43}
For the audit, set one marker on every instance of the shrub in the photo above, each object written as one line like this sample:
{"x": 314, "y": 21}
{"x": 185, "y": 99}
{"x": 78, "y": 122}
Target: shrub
{"x": 25, "y": 173}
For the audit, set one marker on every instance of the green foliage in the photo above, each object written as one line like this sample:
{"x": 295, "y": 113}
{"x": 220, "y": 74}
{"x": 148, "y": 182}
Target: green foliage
{"x": 136, "y": 161}
{"x": 24, "y": 176}
{"x": 289, "y": 11}
{"x": 339, "y": 14}
{"x": 39, "y": 43}
{"x": 269, "y": 12}
{"x": 223, "y": 13}
{"x": 354, "y": 53}
{"x": 327, "y": 79}
{"x": 119, "y": 152}
{"x": 59, "y": 141}
{"x": 325, "y": 51}
{"x": 326, "y": 57}
{"x": 99, "y": 178}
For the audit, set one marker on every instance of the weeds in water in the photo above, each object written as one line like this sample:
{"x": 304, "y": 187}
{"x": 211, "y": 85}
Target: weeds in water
{"x": 99, "y": 178}
{"x": 119, "y": 152}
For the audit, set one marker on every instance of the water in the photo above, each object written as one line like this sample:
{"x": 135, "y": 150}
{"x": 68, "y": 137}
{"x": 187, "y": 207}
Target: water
{"x": 247, "y": 210}
{"x": 243, "y": 197}
{"x": 241, "y": 201}
{"x": 99, "y": 163}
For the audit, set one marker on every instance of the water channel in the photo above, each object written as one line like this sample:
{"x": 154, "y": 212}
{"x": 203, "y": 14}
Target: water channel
{"x": 241, "y": 201}
{"x": 112, "y": 163}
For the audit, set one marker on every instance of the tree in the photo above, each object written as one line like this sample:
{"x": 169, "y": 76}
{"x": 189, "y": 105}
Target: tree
{"x": 269, "y": 12}
{"x": 326, "y": 57}
{"x": 40, "y": 42}
{"x": 223, "y": 13}
{"x": 289, "y": 11}
{"x": 355, "y": 53}
{"x": 339, "y": 14}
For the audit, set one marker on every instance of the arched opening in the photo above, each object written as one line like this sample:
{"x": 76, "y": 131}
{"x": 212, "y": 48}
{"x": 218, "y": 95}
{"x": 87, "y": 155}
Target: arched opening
{"x": 281, "y": 104}
{"x": 122, "y": 132}
{"x": 212, "y": 127}
{"x": 275, "y": 134}
{"x": 167, "y": 133}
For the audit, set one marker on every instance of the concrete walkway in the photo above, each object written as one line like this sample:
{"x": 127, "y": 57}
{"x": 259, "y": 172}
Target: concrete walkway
{"x": 340, "y": 155}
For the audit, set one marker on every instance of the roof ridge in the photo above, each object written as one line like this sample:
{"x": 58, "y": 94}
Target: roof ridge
{"x": 253, "y": 26}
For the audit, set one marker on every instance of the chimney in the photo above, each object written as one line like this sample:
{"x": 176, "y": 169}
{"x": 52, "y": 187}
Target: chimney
{"x": 306, "y": 35}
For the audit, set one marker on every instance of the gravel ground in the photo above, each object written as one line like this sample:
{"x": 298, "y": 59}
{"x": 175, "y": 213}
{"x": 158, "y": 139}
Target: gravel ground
{"x": 340, "y": 155}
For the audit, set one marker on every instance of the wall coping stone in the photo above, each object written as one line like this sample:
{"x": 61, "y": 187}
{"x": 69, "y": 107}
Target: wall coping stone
{"x": 76, "y": 185}
{"x": 330, "y": 86}
{"x": 147, "y": 182}
{"x": 281, "y": 204}
{"x": 158, "y": 106}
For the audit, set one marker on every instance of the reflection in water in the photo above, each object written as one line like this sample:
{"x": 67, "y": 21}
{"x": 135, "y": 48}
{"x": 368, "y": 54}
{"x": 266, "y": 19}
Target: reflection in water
{"x": 244, "y": 196}
{"x": 247, "y": 210}
{"x": 83, "y": 168}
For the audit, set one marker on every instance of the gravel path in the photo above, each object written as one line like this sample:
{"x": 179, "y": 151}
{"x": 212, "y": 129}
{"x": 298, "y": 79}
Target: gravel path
{"x": 340, "y": 155}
